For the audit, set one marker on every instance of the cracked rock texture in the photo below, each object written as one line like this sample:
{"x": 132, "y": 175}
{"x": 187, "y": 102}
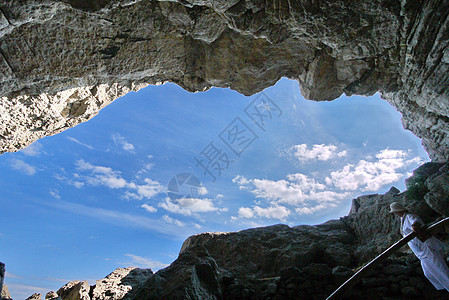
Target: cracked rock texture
{"x": 62, "y": 61}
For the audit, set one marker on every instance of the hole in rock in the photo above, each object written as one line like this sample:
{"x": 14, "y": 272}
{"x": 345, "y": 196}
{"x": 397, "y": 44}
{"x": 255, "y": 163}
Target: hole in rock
{"x": 127, "y": 187}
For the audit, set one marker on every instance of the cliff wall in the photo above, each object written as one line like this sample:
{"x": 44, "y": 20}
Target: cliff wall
{"x": 62, "y": 61}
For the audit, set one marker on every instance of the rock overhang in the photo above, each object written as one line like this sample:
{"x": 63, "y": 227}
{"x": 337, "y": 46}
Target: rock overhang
{"x": 63, "y": 61}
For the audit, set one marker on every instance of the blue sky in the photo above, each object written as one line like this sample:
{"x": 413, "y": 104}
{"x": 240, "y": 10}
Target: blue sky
{"x": 95, "y": 197}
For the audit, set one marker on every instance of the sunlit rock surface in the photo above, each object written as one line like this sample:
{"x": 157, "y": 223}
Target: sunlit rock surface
{"x": 78, "y": 290}
{"x": 62, "y": 61}
{"x": 120, "y": 283}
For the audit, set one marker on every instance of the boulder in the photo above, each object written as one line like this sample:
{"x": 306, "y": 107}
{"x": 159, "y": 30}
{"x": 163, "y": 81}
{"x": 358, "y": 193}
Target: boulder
{"x": 52, "y": 295}
{"x": 75, "y": 290}
{"x": 120, "y": 282}
{"x": 35, "y": 296}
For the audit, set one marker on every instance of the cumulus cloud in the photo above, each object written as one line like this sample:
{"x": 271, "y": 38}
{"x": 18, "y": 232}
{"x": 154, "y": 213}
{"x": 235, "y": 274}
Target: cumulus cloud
{"x": 101, "y": 175}
{"x": 370, "y": 176}
{"x": 120, "y": 141}
{"x": 304, "y": 194}
{"x": 307, "y": 195}
{"x": 149, "y": 208}
{"x": 188, "y": 206}
{"x": 173, "y": 221}
{"x": 145, "y": 169}
{"x": 313, "y": 209}
{"x": 21, "y": 166}
{"x": 89, "y": 174}
{"x": 143, "y": 262}
{"x": 317, "y": 152}
{"x": 271, "y": 212}
{"x": 295, "y": 190}
{"x": 32, "y": 150}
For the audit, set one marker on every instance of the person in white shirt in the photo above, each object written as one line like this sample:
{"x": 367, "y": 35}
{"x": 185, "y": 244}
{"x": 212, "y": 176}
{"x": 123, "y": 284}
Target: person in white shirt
{"x": 427, "y": 248}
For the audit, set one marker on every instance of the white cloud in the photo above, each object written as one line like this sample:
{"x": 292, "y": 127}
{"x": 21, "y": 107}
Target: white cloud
{"x": 20, "y": 165}
{"x": 297, "y": 189}
{"x": 188, "y": 206}
{"x": 150, "y": 189}
{"x": 147, "y": 167}
{"x": 173, "y": 221}
{"x": 246, "y": 212}
{"x": 310, "y": 210}
{"x": 101, "y": 175}
{"x": 55, "y": 193}
{"x": 306, "y": 195}
{"x": 75, "y": 183}
{"x": 120, "y": 141}
{"x": 32, "y": 150}
{"x": 107, "y": 177}
{"x": 317, "y": 152}
{"x": 271, "y": 212}
{"x": 149, "y": 208}
{"x": 143, "y": 262}
{"x": 370, "y": 176}
{"x": 80, "y": 143}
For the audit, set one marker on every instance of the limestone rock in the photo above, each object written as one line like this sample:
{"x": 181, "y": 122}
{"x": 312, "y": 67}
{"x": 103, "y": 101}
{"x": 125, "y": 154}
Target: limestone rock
{"x": 52, "y": 295}
{"x": 75, "y": 290}
{"x": 35, "y": 296}
{"x": 5, "y": 295}
{"x": 119, "y": 283}
{"x": 438, "y": 196}
{"x": 61, "y": 61}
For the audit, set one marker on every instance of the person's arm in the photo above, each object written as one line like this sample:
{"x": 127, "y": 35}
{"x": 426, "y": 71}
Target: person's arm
{"x": 421, "y": 231}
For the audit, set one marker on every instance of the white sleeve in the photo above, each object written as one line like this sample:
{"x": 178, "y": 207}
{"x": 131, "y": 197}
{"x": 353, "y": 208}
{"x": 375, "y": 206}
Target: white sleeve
{"x": 414, "y": 219}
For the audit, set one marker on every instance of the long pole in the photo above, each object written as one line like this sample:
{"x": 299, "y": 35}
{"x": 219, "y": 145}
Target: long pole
{"x": 362, "y": 272}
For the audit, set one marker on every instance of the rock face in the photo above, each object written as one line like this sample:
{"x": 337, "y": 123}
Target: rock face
{"x": 61, "y": 61}
{"x": 35, "y": 296}
{"x": 119, "y": 283}
{"x": 52, "y": 296}
{"x": 75, "y": 290}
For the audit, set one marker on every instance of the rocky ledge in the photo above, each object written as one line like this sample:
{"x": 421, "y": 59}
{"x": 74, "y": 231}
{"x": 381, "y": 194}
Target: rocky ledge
{"x": 282, "y": 262}
{"x": 61, "y": 61}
